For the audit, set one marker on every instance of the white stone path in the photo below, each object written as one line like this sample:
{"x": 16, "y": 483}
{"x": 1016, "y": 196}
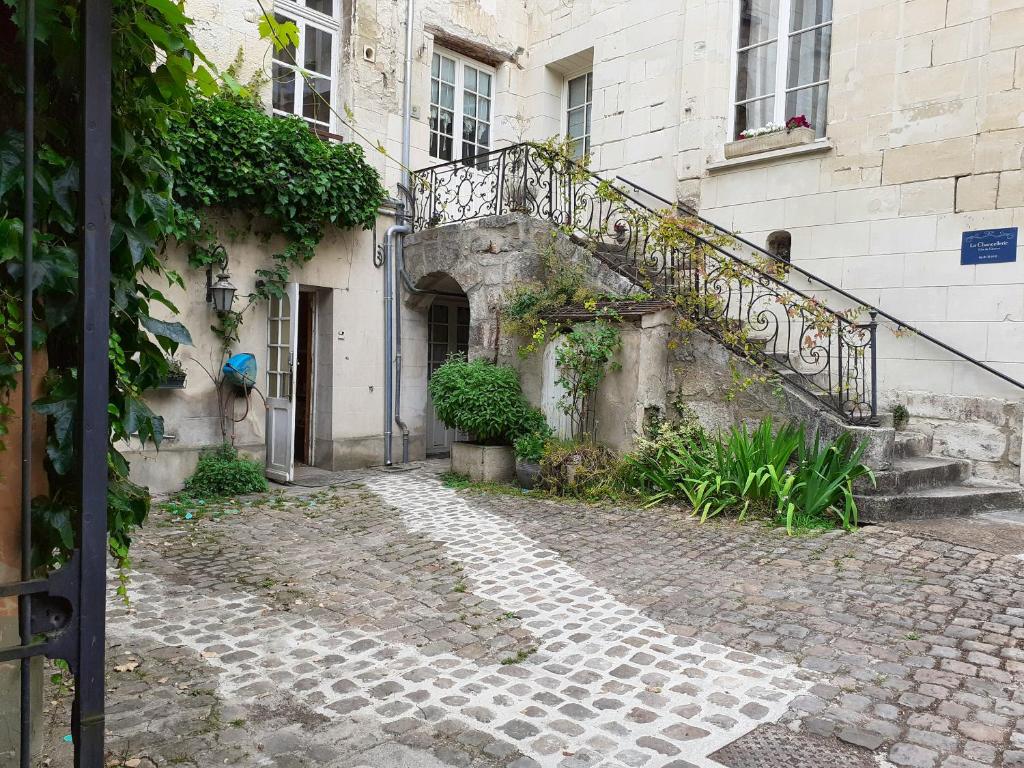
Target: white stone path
{"x": 606, "y": 681}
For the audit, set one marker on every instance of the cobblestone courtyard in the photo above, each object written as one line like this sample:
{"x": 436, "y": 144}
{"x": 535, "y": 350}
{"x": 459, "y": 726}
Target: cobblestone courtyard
{"x": 389, "y": 622}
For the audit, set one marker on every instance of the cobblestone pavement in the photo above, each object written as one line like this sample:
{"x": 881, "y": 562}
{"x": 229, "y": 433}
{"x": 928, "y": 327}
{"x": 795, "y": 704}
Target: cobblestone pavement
{"x": 392, "y": 622}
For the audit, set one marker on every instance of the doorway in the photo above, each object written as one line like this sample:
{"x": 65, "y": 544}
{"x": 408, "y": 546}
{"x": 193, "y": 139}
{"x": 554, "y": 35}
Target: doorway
{"x": 305, "y": 366}
{"x": 447, "y": 335}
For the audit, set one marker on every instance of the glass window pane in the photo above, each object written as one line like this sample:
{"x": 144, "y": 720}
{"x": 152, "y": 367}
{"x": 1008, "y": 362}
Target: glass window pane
{"x": 756, "y": 72}
{"x": 445, "y": 151}
{"x": 433, "y": 145}
{"x": 469, "y": 129}
{"x": 759, "y": 21}
{"x": 578, "y": 148}
{"x": 483, "y": 108}
{"x": 469, "y": 104}
{"x": 446, "y": 122}
{"x": 808, "y": 57}
{"x": 435, "y": 65}
{"x": 447, "y": 69}
{"x": 590, "y": 86}
{"x": 812, "y": 103}
{"x": 315, "y": 103}
{"x": 577, "y": 91}
{"x": 483, "y": 84}
{"x": 323, "y": 6}
{"x": 283, "y": 96}
{"x": 435, "y": 91}
{"x": 317, "y": 54}
{"x": 286, "y": 385}
{"x": 469, "y": 150}
{"x": 447, "y": 97}
{"x": 439, "y": 313}
{"x": 483, "y": 135}
{"x": 808, "y": 13}
{"x": 470, "y": 79}
{"x": 755, "y": 114}
{"x": 463, "y": 316}
{"x": 577, "y": 123}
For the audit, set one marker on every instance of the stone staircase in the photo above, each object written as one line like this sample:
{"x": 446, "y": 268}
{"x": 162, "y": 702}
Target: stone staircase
{"x": 921, "y": 485}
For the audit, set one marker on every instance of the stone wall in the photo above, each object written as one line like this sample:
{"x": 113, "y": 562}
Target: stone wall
{"x": 985, "y": 431}
{"x": 348, "y": 418}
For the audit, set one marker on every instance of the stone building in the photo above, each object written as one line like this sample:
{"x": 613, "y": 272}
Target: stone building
{"x": 913, "y": 157}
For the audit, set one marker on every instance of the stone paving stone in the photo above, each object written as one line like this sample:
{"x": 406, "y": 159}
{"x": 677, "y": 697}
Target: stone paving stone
{"x": 318, "y": 625}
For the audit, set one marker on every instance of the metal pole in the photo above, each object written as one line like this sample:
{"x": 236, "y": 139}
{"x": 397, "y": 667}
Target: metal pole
{"x": 874, "y": 366}
{"x": 25, "y": 601}
{"x": 93, "y": 394}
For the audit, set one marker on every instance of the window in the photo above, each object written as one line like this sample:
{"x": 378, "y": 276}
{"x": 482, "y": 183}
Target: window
{"x": 782, "y": 62}
{"x": 579, "y": 98}
{"x": 461, "y": 93}
{"x": 312, "y": 96}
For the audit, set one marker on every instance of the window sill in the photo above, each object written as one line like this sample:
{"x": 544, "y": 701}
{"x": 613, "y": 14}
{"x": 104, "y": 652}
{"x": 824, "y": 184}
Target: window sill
{"x": 817, "y": 147}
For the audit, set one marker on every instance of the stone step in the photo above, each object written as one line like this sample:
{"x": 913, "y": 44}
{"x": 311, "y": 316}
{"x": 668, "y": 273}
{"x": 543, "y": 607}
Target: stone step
{"x": 912, "y": 444}
{"x": 960, "y": 500}
{"x": 916, "y": 473}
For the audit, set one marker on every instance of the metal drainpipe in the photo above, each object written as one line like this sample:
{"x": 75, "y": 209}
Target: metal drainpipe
{"x": 402, "y": 230}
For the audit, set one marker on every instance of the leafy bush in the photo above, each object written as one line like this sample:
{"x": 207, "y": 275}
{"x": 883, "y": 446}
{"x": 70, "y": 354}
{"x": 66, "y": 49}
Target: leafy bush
{"x": 530, "y": 447}
{"x": 484, "y": 400}
{"x": 222, "y": 472}
{"x": 765, "y": 472}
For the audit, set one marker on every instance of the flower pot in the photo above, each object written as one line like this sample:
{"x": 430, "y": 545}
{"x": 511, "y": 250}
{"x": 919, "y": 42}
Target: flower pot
{"x": 484, "y": 463}
{"x": 528, "y": 473}
{"x": 173, "y": 381}
{"x": 769, "y": 142}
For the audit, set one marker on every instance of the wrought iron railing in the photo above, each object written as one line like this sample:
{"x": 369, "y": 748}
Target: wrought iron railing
{"x": 743, "y": 302}
{"x": 732, "y": 289}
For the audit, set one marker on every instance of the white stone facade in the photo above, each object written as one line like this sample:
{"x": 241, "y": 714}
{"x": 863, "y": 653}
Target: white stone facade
{"x": 924, "y": 140}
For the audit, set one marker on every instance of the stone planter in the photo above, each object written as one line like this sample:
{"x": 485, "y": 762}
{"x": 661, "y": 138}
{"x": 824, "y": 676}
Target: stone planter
{"x": 484, "y": 463}
{"x": 769, "y": 142}
{"x": 528, "y": 474}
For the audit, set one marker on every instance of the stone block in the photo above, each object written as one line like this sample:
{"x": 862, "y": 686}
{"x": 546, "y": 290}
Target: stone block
{"x": 924, "y": 197}
{"x": 1007, "y": 29}
{"x": 977, "y": 193}
{"x": 978, "y": 441}
{"x": 923, "y": 16}
{"x": 935, "y": 160}
{"x": 1011, "y": 189}
{"x": 999, "y": 151}
{"x": 484, "y": 463}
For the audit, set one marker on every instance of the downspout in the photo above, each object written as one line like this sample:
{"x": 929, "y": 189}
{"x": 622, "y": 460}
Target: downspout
{"x": 403, "y": 229}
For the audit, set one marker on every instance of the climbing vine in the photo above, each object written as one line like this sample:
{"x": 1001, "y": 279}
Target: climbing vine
{"x": 236, "y": 157}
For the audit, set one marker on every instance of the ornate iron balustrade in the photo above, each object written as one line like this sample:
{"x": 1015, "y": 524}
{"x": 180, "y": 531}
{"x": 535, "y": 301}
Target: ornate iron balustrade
{"x": 740, "y": 298}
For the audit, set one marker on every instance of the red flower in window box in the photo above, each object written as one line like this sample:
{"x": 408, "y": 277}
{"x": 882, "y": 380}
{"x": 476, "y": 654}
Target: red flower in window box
{"x": 800, "y": 121}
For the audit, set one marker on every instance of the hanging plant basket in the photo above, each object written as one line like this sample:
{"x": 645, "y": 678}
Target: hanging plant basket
{"x": 173, "y": 380}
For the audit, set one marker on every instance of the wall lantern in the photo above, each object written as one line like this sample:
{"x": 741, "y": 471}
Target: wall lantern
{"x": 222, "y": 293}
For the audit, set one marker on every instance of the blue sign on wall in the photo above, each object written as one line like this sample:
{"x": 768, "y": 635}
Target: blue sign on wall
{"x": 989, "y": 246}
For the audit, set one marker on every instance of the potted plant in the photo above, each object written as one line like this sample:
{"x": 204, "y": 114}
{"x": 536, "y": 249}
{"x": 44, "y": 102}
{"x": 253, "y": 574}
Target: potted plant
{"x": 529, "y": 450}
{"x": 175, "y": 377}
{"x": 795, "y": 132}
{"x": 485, "y": 401}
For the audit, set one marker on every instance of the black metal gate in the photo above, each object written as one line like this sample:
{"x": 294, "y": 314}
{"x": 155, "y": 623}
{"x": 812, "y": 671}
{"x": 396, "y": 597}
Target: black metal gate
{"x": 63, "y": 616}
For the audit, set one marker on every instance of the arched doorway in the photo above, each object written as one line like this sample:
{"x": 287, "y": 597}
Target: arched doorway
{"x": 448, "y": 326}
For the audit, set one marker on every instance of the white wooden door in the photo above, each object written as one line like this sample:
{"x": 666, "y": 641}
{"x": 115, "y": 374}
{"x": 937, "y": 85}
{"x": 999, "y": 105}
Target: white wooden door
{"x": 282, "y": 341}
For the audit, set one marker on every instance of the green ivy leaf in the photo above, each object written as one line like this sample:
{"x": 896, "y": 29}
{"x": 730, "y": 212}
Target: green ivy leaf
{"x": 282, "y": 34}
{"x": 175, "y": 332}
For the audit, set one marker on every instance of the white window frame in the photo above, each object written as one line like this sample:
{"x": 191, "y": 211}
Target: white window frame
{"x": 588, "y": 125}
{"x": 301, "y": 16}
{"x": 459, "y": 106}
{"x": 782, "y": 40}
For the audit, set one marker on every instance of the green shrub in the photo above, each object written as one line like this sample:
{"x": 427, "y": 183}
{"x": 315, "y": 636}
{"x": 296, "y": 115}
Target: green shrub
{"x": 764, "y": 472}
{"x": 530, "y": 447}
{"x": 222, "y": 472}
{"x": 484, "y": 400}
